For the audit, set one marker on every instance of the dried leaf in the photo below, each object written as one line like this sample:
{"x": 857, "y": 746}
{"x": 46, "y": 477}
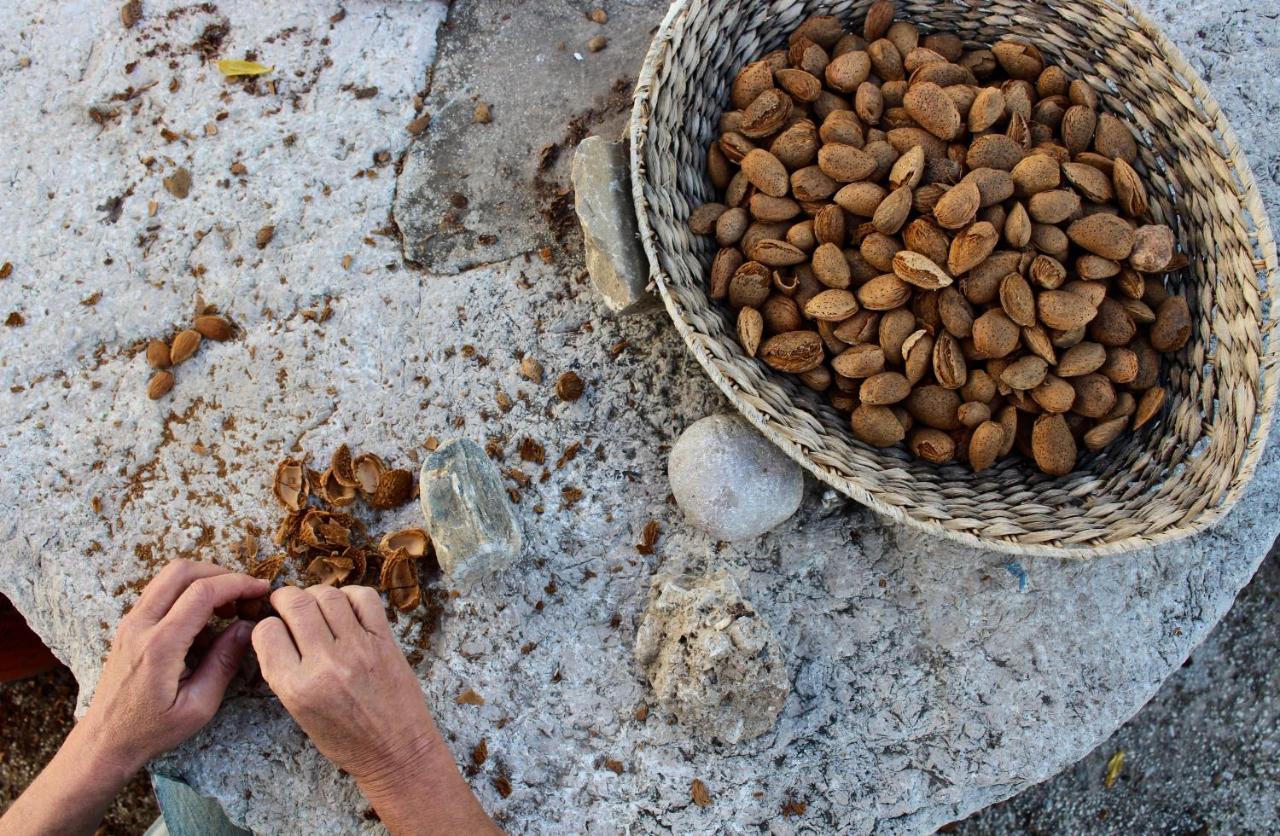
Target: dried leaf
{"x": 1113, "y": 768}
{"x": 231, "y": 67}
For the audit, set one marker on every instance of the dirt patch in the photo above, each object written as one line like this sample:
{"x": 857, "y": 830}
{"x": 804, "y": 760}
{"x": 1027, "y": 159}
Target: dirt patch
{"x": 37, "y": 715}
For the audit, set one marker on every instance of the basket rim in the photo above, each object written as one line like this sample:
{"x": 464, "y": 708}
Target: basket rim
{"x": 1264, "y": 245}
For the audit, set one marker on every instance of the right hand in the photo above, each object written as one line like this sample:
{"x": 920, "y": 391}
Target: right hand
{"x": 330, "y": 657}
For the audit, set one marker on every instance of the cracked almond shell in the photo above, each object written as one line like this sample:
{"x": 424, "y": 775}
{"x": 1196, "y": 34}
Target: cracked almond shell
{"x": 368, "y": 470}
{"x": 412, "y": 541}
{"x": 399, "y": 579}
{"x": 329, "y": 569}
{"x": 395, "y": 488}
{"x": 292, "y": 484}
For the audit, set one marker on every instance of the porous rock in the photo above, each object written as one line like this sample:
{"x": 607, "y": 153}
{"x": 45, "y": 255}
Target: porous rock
{"x": 731, "y": 481}
{"x": 469, "y": 516}
{"x": 610, "y": 237}
{"x": 712, "y": 659}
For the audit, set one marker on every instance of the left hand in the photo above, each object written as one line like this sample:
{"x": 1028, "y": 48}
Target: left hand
{"x": 148, "y": 700}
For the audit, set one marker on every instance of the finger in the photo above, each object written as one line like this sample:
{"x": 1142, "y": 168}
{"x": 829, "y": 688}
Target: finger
{"x": 275, "y": 648}
{"x": 301, "y": 615}
{"x": 336, "y": 610}
{"x": 203, "y": 691}
{"x": 166, "y": 587}
{"x": 195, "y": 606}
{"x": 367, "y": 605}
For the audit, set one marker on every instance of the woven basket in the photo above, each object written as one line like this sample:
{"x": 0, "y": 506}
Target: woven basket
{"x": 1168, "y": 480}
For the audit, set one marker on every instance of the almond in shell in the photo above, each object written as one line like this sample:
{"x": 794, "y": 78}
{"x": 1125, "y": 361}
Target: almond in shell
{"x": 1052, "y": 445}
{"x": 793, "y": 351}
{"x": 919, "y": 270}
{"x": 957, "y": 208}
{"x": 876, "y": 425}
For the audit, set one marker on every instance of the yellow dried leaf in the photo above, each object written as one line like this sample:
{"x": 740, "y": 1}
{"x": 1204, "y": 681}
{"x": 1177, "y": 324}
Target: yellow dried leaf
{"x": 233, "y": 67}
{"x": 1113, "y": 768}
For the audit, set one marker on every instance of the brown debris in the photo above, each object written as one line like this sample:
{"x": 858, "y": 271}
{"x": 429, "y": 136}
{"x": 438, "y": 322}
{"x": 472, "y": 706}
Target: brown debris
{"x": 597, "y": 43}
{"x": 483, "y": 114}
{"x": 531, "y": 369}
{"x": 532, "y": 451}
{"x": 699, "y": 793}
{"x": 131, "y": 13}
{"x": 648, "y": 537}
{"x": 264, "y": 236}
{"x": 469, "y": 697}
{"x": 569, "y": 386}
{"x": 178, "y": 184}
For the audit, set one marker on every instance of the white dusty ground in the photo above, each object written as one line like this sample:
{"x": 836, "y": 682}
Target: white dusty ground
{"x": 927, "y": 680}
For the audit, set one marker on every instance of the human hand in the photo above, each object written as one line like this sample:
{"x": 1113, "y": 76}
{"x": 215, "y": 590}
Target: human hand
{"x": 148, "y": 700}
{"x": 331, "y": 658}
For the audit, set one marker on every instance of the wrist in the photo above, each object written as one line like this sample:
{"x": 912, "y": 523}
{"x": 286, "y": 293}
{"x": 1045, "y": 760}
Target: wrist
{"x": 92, "y": 750}
{"x": 404, "y": 764}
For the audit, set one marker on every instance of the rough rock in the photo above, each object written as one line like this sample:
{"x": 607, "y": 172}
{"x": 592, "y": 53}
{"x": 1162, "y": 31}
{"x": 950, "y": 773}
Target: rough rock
{"x": 610, "y": 237}
{"x": 732, "y": 482}
{"x": 928, "y": 680}
{"x": 474, "y": 532}
{"x": 711, "y": 658}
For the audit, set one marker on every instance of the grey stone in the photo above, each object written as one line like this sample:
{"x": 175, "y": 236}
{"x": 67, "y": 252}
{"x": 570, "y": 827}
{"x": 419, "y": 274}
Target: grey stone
{"x": 474, "y": 532}
{"x": 731, "y": 481}
{"x": 472, "y": 194}
{"x": 928, "y": 680}
{"x": 610, "y": 238}
{"x": 711, "y": 658}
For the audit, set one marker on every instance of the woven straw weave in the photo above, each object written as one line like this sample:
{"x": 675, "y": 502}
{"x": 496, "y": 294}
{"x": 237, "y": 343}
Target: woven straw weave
{"x": 1168, "y": 480}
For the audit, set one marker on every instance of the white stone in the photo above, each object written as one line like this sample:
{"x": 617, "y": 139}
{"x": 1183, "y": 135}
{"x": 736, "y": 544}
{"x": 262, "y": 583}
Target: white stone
{"x": 711, "y": 658}
{"x": 731, "y": 481}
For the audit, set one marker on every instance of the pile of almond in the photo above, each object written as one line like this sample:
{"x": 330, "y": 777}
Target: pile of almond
{"x": 952, "y": 242}
{"x": 163, "y": 356}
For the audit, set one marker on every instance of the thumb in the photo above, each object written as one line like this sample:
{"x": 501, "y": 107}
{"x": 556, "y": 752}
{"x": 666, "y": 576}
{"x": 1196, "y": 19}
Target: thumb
{"x": 204, "y": 689}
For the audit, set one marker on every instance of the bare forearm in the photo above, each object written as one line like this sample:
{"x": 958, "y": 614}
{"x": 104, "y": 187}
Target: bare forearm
{"x": 427, "y": 796}
{"x": 72, "y": 793}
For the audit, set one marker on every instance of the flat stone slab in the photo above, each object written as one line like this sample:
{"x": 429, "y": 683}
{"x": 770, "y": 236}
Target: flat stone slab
{"x": 927, "y": 680}
{"x": 479, "y": 193}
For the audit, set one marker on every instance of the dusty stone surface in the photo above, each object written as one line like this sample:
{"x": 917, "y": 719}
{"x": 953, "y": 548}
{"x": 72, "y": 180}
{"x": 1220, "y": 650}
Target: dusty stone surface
{"x": 730, "y": 481}
{"x": 927, "y": 680}
{"x": 1200, "y": 757}
{"x": 474, "y": 532}
{"x": 710, "y": 657}
{"x": 610, "y": 236}
{"x": 478, "y": 194}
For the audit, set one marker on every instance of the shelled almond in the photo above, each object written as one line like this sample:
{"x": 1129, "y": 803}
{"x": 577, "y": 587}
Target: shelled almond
{"x": 952, "y": 242}
{"x": 162, "y": 356}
